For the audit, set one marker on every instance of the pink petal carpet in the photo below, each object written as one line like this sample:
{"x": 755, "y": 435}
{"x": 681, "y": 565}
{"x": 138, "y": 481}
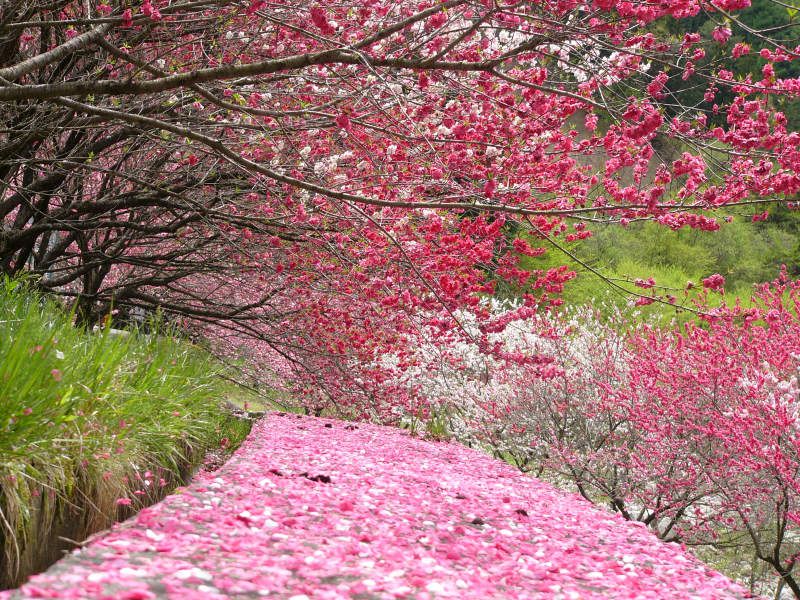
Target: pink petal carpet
{"x": 313, "y": 508}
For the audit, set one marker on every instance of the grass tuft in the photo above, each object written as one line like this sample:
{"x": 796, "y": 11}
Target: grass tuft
{"x": 93, "y": 426}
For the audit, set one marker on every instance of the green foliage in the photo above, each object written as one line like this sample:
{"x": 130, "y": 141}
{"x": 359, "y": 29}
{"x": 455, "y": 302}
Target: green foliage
{"x": 436, "y": 427}
{"x": 433, "y": 424}
{"x": 743, "y": 252}
{"x": 256, "y": 401}
{"x": 84, "y": 416}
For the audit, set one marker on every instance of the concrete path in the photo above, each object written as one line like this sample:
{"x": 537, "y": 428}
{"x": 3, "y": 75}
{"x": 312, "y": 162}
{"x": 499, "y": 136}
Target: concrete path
{"x": 314, "y": 508}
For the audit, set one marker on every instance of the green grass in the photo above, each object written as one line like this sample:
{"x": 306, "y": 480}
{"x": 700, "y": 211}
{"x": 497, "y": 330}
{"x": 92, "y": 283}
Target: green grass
{"x": 256, "y": 401}
{"x": 89, "y": 418}
{"x": 744, "y": 253}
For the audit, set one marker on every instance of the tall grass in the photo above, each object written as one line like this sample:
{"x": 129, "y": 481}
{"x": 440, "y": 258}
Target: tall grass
{"x": 93, "y": 426}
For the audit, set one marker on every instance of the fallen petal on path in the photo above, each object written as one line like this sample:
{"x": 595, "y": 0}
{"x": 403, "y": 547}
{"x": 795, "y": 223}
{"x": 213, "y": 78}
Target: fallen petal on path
{"x": 314, "y": 508}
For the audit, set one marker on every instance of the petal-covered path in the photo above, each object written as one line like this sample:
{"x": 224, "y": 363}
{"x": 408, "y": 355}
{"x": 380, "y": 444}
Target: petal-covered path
{"x": 314, "y": 508}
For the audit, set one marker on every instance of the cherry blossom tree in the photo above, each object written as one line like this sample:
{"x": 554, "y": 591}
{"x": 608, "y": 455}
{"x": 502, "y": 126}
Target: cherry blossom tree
{"x": 717, "y": 410}
{"x": 329, "y": 187}
{"x": 691, "y": 430}
{"x": 329, "y": 182}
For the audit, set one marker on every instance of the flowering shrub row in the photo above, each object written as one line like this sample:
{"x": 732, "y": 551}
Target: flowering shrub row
{"x": 691, "y": 430}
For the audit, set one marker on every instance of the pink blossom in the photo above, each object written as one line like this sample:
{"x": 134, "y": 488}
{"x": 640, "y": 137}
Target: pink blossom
{"x": 714, "y": 282}
{"x": 320, "y": 19}
{"x": 343, "y": 121}
{"x": 740, "y": 50}
{"x": 721, "y": 34}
